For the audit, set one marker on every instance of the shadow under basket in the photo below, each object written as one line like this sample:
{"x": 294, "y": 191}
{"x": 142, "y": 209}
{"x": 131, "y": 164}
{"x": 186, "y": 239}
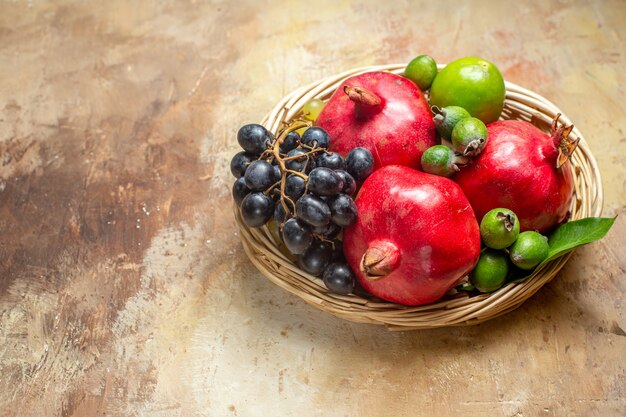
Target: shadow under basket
{"x": 452, "y": 310}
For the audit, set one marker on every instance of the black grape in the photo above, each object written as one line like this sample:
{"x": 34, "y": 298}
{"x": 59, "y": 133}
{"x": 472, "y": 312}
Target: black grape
{"x": 297, "y": 164}
{"x": 297, "y": 236}
{"x": 316, "y": 137}
{"x": 329, "y": 231}
{"x": 339, "y": 278}
{"x": 324, "y": 181}
{"x": 277, "y": 174}
{"x": 279, "y": 213}
{"x": 349, "y": 184}
{"x": 331, "y": 160}
{"x": 254, "y": 138}
{"x": 240, "y": 162}
{"x": 294, "y": 186}
{"x": 343, "y": 210}
{"x": 240, "y": 190}
{"x": 316, "y": 258}
{"x": 256, "y": 209}
{"x": 259, "y": 176}
{"x": 291, "y": 141}
{"x": 313, "y": 210}
{"x": 359, "y": 163}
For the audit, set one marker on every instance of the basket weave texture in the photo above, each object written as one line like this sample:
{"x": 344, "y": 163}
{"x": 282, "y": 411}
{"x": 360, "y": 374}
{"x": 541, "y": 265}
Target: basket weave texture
{"x": 455, "y": 310}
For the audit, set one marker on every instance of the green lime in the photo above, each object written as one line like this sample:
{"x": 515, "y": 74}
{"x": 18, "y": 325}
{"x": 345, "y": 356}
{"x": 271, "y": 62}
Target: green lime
{"x": 529, "y": 250}
{"x": 445, "y": 119}
{"x": 422, "y": 71}
{"x": 439, "y": 160}
{"x": 472, "y": 83}
{"x": 490, "y": 271}
{"x": 499, "y": 228}
{"x": 469, "y": 136}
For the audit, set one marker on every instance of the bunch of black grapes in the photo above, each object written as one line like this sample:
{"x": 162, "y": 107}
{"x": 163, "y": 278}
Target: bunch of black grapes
{"x": 306, "y": 189}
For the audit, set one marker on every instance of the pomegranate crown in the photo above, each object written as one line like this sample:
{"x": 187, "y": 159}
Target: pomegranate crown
{"x": 565, "y": 145}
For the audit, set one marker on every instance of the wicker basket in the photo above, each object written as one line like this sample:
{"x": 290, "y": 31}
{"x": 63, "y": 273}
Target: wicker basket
{"x": 460, "y": 309}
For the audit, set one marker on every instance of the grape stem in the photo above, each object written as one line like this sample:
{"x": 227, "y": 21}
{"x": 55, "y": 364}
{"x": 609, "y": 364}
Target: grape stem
{"x": 295, "y": 125}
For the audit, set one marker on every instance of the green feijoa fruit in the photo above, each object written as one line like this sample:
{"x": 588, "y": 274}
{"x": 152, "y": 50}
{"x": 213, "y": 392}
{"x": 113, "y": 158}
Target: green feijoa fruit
{"x": 491, "y": 271}
{"x": 469, "y": 136}
{"x": 422, "y": 70}
{"x": 529, "y": 250}
{"x": 447, "y": 117}
{"x": 439, "y": 160}
{"x": 499, "y": 228}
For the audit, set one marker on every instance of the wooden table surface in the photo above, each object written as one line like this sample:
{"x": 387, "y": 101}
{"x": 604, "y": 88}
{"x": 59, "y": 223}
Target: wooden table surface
{"x": 124, "y": 290}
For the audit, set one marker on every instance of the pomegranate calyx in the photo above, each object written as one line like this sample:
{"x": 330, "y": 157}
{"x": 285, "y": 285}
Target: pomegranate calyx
{"x": 380, "y": 259}
{"x": 560, "y": 137}
{"x": 366, "y": 103}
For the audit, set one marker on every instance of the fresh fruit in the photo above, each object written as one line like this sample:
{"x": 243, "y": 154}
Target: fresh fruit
{"x": 499, "y": 228}
{"x": 291, "y": 142}
{"x": 256, "y": 209}
{"x": 414, "y": 238}
{"x": 312, "y": 109}
{"x": 324, "y": 181}
{"x": 469, "y": 136}
{"x": 331, "y": 160}
{"x": 349, "y": 184}
{"x": 518, "y": 170}
{"x": 276, "y": 173}
{"x": 297, "y": 160}
{"x": 472, "y": 83}
{"x": 529, "y": 250}
{"x": 446, "y": 118}
{"x": 339, "y": 278}
{"x": 316, "y": 137}
{"x": 313, "y": 210}
{"x": 316, "y": 258}
{"x": 330, "y": 231}
{"x": 279, "y": 214}
{"x": 439, "y": 160}
{"x": 383, "y": 112}
{"x": 359, "y": 163}
{"x": 338, "y": 255}
{"x": 343, "y": 211}
{"x": 240, "y": 190}
{"x": 422, "y": 70}
{"x": 254, "y": 138}
{"x": 490, "y": 271}
{"x": 297, "y": 236}
{"x": 290, "y": 187}
{"x": 240, "y": 162}
{"x": 295, "y": 186}
{"x": 259, "y": 176}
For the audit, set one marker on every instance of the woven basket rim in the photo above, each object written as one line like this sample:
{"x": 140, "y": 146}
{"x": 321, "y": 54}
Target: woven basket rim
{"x": 520, "y": 103}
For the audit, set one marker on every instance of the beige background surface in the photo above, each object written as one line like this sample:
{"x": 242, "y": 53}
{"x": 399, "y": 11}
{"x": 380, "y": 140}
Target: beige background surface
{"x": 124, "y": 290}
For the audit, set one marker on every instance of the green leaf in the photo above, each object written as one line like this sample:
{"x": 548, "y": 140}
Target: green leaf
{"x": 577, "y": 233}
{"x": 569, "y": 236}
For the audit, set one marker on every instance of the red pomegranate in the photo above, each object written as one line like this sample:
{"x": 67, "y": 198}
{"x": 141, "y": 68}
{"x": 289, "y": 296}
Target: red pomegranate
{"x": 525, "y": 170}
{"x": 383, "y": 112}
{"x": 415, "y": 237}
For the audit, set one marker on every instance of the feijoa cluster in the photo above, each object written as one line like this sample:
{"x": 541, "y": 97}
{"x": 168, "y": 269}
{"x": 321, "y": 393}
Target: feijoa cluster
{"x": 462, "y": 136}
{"x": 505, "y": 248}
